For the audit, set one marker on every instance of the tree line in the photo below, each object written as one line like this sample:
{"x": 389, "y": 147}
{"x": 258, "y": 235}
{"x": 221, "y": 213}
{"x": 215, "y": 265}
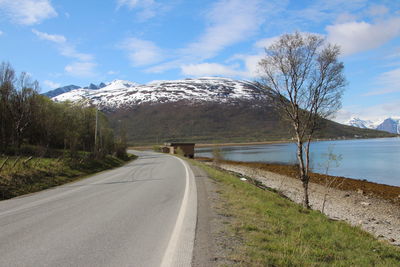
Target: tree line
{"x": 28, "y": 118}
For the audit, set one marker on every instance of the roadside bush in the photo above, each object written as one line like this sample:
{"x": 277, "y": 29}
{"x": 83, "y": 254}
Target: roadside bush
{"x": 120, "y": 151}
{"x": 180, "y": 152}
{"x": 217, "y": 156}
{"x": 157, "y": 148}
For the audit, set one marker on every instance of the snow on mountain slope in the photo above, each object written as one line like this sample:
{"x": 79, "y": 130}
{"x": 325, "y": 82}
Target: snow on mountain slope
{"x": 390, "y": 125}
{"x": 61, "y": 90}
{"x": 120, "y": 93}
{"x": 365, "y": 124}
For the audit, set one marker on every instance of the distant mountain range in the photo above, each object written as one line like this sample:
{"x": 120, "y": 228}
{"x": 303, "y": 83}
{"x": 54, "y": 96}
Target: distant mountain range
{"x": 125, "y": 94}
{"x": 390, "y": 125}
{"x": 206, "y": 109}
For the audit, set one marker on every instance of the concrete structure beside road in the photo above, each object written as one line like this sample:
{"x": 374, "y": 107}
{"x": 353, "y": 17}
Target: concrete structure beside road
{"x": 172, "y": 148}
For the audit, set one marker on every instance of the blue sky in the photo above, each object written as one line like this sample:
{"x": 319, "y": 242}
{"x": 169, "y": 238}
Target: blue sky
{"x": 80, "y": 42}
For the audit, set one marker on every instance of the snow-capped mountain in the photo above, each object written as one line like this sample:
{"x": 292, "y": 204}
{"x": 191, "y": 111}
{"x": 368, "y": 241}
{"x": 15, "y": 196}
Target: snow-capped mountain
{"x": 365, "y": 124}
{"x": 119, "y": 94}
{"x": 390, "y": 125}
{"x": 95, "y": 87}
{"x": 61, "y": 90}
{"x": 68, "y": 88}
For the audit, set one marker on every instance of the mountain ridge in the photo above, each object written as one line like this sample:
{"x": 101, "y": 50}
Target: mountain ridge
{"x": 68, "y": 88}
{"x": 390, "y": 124}
{"x": 124, "y": 94}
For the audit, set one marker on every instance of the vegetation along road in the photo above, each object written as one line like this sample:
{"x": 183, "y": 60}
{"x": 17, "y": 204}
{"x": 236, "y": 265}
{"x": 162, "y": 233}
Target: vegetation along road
{"x": 142, "y": 214}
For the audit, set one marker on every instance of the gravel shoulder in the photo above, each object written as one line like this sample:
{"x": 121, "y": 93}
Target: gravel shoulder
{"x": 213, "y": 242}
{"x": 375, "y": 215}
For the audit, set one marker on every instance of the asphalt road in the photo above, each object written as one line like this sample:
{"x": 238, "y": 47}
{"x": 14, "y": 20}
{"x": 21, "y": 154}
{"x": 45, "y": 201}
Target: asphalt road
{"x": 142, "y": 214}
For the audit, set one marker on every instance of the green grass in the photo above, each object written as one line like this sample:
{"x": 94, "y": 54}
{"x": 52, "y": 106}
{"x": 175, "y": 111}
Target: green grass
{"x": 42, "y": 173}
{"x": 275, "y": 231}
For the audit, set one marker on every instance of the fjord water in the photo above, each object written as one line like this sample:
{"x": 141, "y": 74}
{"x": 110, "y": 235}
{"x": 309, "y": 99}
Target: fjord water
{"x": 376, "y": 160}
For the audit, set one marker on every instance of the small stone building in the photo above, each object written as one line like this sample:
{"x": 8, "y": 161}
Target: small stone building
{"x": 187, "y": 148}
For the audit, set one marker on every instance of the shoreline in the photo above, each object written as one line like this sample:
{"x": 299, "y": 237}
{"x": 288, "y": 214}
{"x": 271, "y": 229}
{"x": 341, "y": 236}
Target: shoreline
{"x": 373, "y": 213}
{"x": 283, "y": 142}
{"x": 363, "y": 187}
{"x": 202, "y": 145}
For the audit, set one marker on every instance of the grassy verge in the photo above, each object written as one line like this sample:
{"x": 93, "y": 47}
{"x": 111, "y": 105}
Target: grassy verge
{"x": 387, "y": 192}
{"x": 277, "y": 232}
{"x": 23, "y": 175}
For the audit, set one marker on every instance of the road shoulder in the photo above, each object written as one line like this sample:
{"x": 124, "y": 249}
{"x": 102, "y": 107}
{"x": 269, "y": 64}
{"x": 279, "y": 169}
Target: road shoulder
{"x": 212, "y": 241}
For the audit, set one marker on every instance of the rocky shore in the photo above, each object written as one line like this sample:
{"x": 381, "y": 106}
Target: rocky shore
{"x": 375, "y": 213}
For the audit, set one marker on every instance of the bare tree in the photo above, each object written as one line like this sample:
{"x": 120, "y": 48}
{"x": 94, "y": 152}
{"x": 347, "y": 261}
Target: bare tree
{"x": 304, "y": 73}
{"x": 7, "y": 80}
{"x": 23, "y": 102}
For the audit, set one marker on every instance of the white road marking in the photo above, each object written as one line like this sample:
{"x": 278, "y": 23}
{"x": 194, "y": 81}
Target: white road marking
{"x": 172, "y": 256}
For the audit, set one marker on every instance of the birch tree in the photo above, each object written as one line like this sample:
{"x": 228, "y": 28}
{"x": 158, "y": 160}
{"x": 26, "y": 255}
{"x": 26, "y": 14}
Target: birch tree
{"x": 306, "y": 76}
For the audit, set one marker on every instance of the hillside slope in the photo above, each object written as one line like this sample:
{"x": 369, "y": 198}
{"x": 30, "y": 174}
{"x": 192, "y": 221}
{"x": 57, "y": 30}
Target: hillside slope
{"x": 209, "y": 122}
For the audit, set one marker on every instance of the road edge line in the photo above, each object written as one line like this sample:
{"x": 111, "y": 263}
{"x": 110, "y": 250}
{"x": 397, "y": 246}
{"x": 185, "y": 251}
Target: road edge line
{"x": 180, "y": 247}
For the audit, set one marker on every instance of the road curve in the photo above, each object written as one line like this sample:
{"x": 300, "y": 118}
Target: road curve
{"x": 142, "y": 214}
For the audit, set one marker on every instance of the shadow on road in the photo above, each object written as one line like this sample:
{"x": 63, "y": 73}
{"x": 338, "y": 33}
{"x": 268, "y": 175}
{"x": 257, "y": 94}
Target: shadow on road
{"x": 111, "y": 183}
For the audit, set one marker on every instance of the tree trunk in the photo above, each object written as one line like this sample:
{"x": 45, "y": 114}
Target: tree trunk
{"x": 306, "y": 203}
{"x": 302, "y": 172}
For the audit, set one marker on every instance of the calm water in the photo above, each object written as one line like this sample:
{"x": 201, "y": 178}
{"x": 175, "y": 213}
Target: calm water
{"x": 376, "y": 160}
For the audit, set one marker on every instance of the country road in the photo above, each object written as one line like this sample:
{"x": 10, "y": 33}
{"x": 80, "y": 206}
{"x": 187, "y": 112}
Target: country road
{"x": 141, "y": 214}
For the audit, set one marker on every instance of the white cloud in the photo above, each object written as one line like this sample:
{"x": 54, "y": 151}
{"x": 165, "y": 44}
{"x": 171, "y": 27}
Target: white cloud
{"x": 69, "y": 51}
{"x": 354, "y": 37}
{"x": 82, "y": 69}
{"x": 27, "y": 12}
{"x": 248, "y": 67}
{"x": 266, "y": 42}
{"x": 66, "y": 49}
{"x": 388, "y": 82}
{"x": 344, "y": 115}
{"x": 250, "y": 62}
{"x": 167, "y": 66}
{"x": 129, "y": 3}
{"x": 377, "y": 10}
{"x": 345, "y": 17}
{"x": 375, "y": 113}
{"x": 84, "y": 66}
{"x": 229, "y": 22}
{"x": 1, "y": 33}
{"x": 60, "y": 39}
{"x": 112, "y": 72}
{"x": 51, "y": 84}
{"x": 146, "y": 9}
{"x": 209, "y": 69}
{"x": 311, "y": 13}
{"x": 141, "y": 52}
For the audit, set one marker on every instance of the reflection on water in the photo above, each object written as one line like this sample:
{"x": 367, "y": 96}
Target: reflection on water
{"x": 377, "y": 160}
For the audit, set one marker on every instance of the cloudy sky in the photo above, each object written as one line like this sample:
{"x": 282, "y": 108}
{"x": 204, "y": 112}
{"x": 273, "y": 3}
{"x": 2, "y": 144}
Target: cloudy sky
{"x": 80, "y": 42}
